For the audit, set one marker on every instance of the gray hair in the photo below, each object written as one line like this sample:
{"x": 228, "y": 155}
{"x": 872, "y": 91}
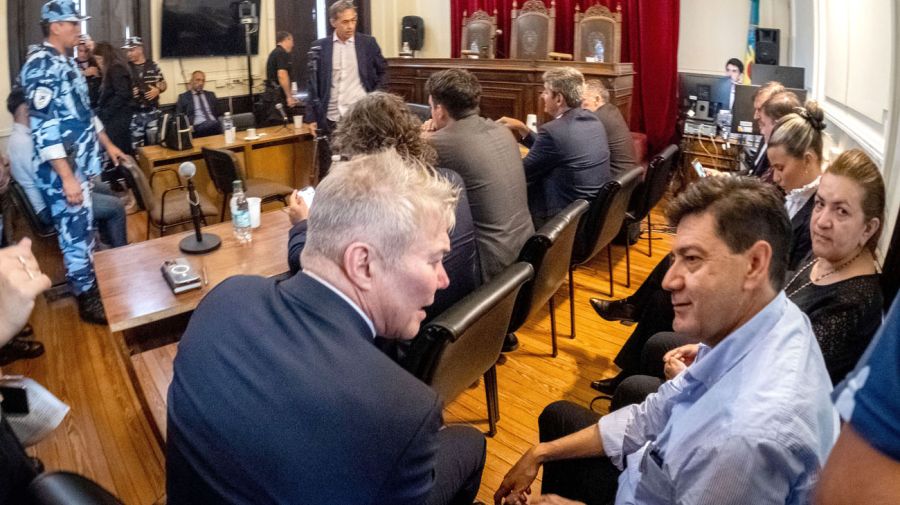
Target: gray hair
{"x": 379, "y": 199}
{"x": 566, "y": 81}
{"x": 596, "y": 87}
{"x": 338, "y": 7}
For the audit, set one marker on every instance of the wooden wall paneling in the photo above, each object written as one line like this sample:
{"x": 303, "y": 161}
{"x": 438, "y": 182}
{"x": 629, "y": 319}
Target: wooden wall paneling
{"x": 299, "y": 18}
{"x": 509, "y": 87}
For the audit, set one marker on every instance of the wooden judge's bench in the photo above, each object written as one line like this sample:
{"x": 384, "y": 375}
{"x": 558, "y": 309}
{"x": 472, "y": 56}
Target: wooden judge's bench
{"x": 509, "y": 87}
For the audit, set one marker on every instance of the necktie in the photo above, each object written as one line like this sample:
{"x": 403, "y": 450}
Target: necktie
{"x": 204, "y": 106}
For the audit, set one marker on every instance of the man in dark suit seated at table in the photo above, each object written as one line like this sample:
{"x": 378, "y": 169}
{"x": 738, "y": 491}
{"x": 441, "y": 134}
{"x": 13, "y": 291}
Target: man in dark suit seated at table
{"x": 621, "y": 145}
{"x": 569, "y": 157}
{"x": 200, "y": 107}
{"x": 279, "y": 394}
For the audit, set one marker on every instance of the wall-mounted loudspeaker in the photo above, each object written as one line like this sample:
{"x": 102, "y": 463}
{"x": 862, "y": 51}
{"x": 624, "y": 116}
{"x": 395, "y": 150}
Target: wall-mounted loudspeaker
{"x": 412, "y": 31}
{"x": 767, "y": 45}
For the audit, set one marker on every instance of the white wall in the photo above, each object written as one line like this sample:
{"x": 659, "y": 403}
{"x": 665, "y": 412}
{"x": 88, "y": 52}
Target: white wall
{"x": 712, "y": 31}
{"x": 436, "y": 14}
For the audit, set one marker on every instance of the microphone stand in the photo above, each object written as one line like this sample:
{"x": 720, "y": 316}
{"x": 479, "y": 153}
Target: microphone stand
{"x": 322, "y": 151}
{"x": 200, "y": 242}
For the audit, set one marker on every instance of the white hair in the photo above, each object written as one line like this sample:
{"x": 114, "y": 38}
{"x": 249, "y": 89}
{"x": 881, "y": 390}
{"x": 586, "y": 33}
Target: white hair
{"x": 379, "y": 199}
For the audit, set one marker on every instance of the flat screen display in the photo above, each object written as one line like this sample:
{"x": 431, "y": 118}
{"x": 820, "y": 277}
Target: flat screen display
{"x": 204, "y": 28}
{"x": 742, "y": 112}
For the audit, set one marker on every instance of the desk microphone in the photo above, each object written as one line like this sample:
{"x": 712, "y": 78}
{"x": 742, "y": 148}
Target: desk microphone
{"x": 280, "y": 108}
{"x": 199, "y": 243}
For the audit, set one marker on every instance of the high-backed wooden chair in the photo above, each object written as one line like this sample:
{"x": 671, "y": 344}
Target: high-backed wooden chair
{"x": 533, "y": 30}
{"x": 598, "y": 23}
{"x": 480, "y": 28}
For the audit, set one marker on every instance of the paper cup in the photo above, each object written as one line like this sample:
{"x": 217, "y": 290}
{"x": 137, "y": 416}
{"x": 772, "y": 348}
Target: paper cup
{"x": 298, "y": 122}
{"x": 254, "y": 204}
{"x": 251, "y": 132}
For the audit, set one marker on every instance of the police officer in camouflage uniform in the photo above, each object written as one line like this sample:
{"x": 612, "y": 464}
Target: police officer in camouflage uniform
{"x": 147, "y": 83}
{"x": 67, "y": 138}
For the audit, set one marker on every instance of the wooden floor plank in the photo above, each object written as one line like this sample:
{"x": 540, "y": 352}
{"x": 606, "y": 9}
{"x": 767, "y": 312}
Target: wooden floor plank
{"x": 108, "y": 437}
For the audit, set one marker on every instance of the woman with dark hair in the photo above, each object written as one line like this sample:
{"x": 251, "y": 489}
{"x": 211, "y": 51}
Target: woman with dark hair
{"x": 114, "y": 105}
{"x": 382, "y": 121}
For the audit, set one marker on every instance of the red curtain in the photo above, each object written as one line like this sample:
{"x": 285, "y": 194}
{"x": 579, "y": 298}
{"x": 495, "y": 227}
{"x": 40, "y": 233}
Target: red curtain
{"x": 649, "y": 41}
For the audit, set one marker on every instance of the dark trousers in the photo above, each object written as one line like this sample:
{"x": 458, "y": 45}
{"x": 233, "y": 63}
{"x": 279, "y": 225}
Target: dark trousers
{"x": 207, "y": 128}
{"x": 636, "y": 388}
{"x": 593, "y": 481}
{"x": 458, "y": 466}
{"x": 323, "y": 147}
{"x": 655, "y": 315}
{"x": 16, "y": 470}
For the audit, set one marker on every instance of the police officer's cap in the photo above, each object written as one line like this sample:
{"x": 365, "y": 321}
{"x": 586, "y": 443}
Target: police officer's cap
{"x": 56, "y": 11}
{"x": 132, "y": 42}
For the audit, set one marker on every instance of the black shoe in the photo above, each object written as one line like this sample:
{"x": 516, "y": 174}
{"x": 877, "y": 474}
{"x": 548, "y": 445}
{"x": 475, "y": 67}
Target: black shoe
{"x": 618, "y": 310}
{"x": 608, "y": 386}
{"x": 37, "y": 464}
{"x": 20, "y": 348}
{"x": 510, "y": 343}
{"x": 90, "y": 308}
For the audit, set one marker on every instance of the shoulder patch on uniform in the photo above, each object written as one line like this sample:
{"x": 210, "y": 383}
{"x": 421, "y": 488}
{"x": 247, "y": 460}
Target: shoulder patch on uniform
{"x": 42, "y": 97}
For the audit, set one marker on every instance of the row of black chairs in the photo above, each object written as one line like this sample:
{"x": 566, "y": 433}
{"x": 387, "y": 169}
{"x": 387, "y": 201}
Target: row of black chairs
{"x": 463, "y": 344}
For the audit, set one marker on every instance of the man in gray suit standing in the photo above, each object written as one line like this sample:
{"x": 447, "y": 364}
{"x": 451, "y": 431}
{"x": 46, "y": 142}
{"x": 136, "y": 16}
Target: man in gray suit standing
{"x": 486, "y": 156}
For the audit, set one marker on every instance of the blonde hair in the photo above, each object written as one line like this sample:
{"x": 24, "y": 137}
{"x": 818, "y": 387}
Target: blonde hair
{"x": 855, "y": 165}
{"x": 380, "y": 199}
{"x": 800, "y": 131}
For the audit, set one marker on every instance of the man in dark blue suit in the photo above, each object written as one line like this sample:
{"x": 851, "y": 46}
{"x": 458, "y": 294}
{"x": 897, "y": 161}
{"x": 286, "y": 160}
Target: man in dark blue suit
{"x": 200, "y": 107}
{"x": 279, "y": 394}
{"x": 569, "y": 157}
{"x": 349, "y": 65}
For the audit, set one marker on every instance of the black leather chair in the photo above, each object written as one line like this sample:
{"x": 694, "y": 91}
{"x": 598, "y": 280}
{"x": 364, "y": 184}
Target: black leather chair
{"x": 459, "y": 346}
{"x": 599, "y": 227}
{"x": 242, "y": 121}
{"x": 66, "y": 488}
{"x": 648, "y": 194}
{"x": 420, "y": 110}
{"x": 224, "y": 169}
{"x": 548, "y": 251}
{"x": 21, "y": 201}
{"x": 168, "y": 208}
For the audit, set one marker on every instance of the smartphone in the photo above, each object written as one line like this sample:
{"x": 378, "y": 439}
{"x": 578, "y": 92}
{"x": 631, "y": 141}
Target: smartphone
{"x": 698, "y": 167}
{"x": 15, "y": 399}
{"x": 307, "y": 194}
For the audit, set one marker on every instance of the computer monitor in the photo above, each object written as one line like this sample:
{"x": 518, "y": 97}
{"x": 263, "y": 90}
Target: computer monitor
{"x": 790, "y": 77}
{"x": 704, "y": 94}
{"x": 742, "y": 112}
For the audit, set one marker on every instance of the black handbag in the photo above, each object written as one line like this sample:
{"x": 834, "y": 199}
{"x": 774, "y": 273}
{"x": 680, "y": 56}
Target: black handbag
{"x": 176, "y": 132}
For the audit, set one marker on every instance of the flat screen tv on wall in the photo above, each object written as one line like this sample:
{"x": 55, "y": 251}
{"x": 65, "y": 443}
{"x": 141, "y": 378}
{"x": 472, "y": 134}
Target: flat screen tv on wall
{"x": 204, "y": 28}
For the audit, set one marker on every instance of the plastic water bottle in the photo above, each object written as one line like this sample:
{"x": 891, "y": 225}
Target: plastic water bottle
{"x": 228, "y": 127}
{"x": 599, "y": 51}
{"x": 240, "y": 213}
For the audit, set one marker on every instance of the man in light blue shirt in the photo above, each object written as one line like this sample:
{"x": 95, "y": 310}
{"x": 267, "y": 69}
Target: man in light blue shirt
{"x": 750, "y": 420}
